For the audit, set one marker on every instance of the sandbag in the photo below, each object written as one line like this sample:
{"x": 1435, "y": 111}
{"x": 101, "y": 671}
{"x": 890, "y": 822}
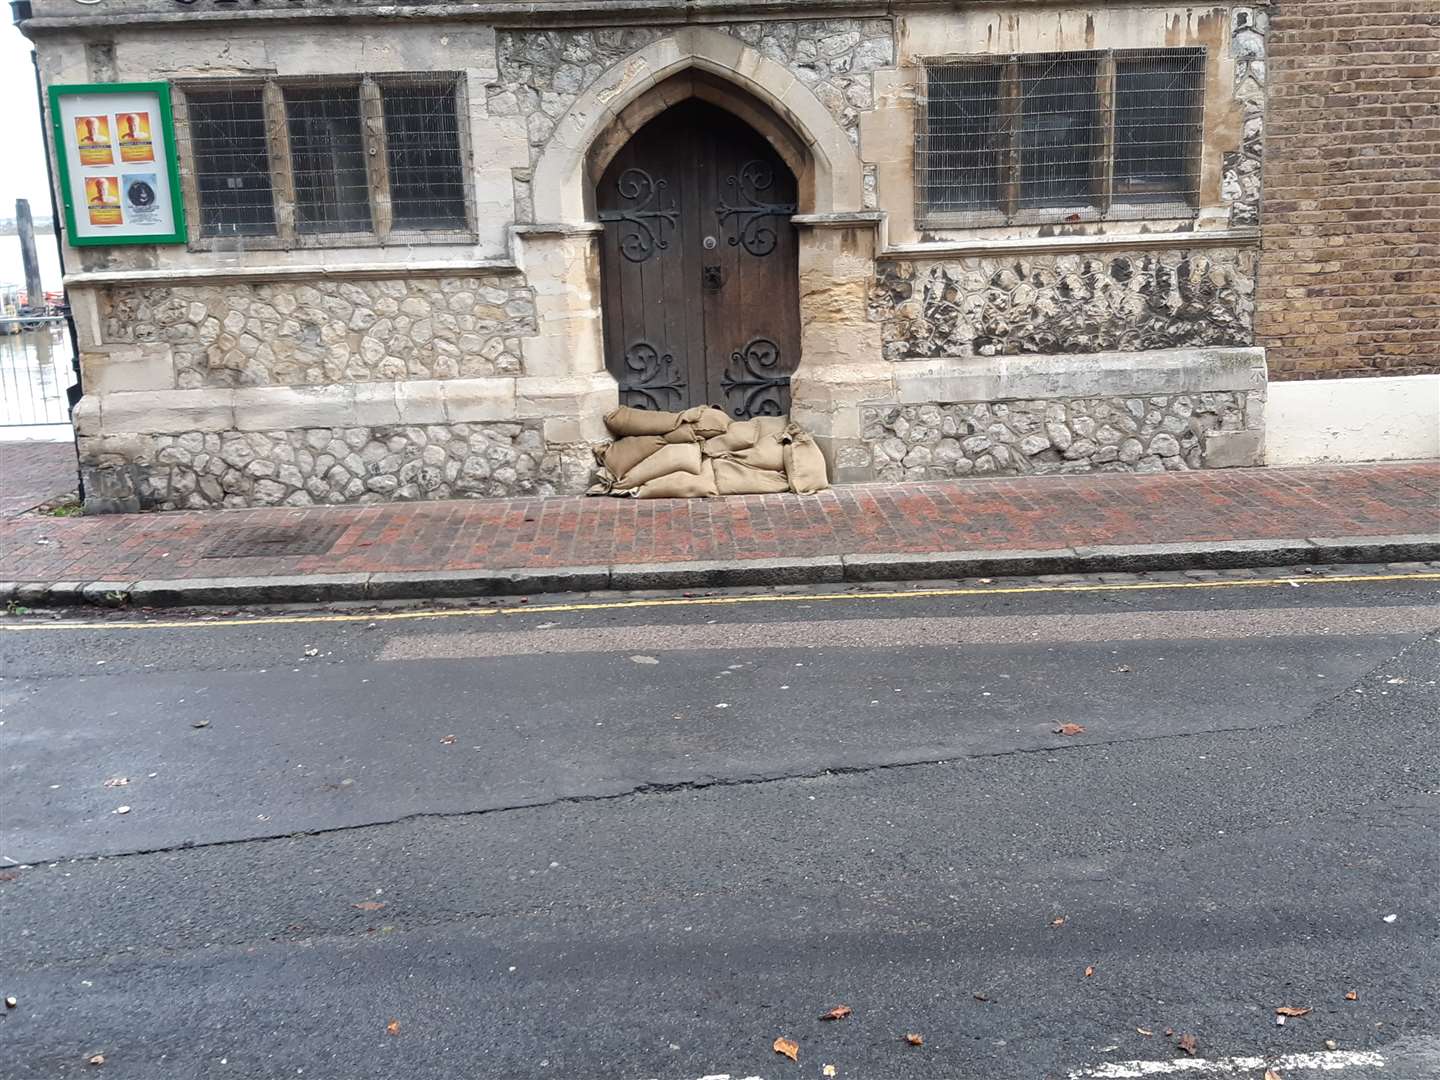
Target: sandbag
{"x": 683, "y": 433}
{"x": 680, "y": 485}
{"x": 622, "y": 455}
{"x": 736, "y": 478}
{"x": 770, "y": 425}
{"x": 604, "y": 483}
{"x": 627, "y": 421}
{"x": 708, "y": 420}
{"x": 674, "y": 457}
{"x": 741, "y": 435}
{"x": 804, "y": 464}
{"x": 767, "y": 453}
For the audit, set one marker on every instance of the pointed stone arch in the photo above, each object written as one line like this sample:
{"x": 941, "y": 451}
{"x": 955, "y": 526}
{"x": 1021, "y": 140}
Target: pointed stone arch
{"x": 724, "y": 70}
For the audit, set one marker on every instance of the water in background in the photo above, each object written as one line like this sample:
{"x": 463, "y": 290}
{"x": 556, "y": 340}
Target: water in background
{"x": 12, "y": 270}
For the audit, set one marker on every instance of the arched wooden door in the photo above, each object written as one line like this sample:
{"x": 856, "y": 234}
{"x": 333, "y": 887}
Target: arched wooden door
{"x": 699, "y": 266}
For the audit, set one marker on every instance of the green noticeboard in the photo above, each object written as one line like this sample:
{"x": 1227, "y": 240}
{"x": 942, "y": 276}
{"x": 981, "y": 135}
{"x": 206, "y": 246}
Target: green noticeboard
{"x": 119, "y": 177}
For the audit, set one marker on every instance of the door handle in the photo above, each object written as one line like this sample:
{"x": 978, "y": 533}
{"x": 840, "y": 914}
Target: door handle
{"x": 711, "y": 278}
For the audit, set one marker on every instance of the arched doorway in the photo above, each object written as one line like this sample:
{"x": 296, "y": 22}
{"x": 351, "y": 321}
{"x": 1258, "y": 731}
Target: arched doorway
{"x": 700, "y": 280}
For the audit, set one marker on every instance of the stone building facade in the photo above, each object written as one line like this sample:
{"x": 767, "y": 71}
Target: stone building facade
{"x": 983, "y": 285}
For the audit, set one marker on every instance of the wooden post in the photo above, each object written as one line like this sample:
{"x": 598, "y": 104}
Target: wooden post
{"x": 25, "y": 226}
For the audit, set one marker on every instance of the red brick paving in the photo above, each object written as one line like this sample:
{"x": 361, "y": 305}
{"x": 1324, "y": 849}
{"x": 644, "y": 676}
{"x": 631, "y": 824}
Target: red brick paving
{"x": 33, "y": 472}
{"x": 952, "y": 516}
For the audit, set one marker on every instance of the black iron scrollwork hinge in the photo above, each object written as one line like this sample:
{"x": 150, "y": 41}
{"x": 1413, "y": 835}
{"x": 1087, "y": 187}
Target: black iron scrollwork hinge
{"x": 751, "y": 212}
{"x": 642, "y": 226}
{"x": 753, "y": 375}
{"x": 653, "y": 375}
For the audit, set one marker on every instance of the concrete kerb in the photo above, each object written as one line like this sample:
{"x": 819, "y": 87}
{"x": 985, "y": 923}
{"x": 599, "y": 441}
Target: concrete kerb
{"x": 447, "y": 584}
{"x": 758, "y": 573}
{"x": 719, "y": 574}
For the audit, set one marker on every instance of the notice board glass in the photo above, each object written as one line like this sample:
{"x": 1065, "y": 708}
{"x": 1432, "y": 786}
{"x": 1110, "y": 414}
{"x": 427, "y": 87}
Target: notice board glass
{"x": 115, "y": 148}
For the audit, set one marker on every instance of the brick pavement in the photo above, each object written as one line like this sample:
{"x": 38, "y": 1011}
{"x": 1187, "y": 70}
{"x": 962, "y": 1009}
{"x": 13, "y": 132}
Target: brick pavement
{"x": 980, "y": 516}
{"x": 34, "y": 472}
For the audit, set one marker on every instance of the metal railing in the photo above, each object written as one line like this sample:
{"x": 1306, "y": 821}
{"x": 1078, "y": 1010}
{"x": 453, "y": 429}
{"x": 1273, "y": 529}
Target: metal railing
{"x": 37, "y": 369}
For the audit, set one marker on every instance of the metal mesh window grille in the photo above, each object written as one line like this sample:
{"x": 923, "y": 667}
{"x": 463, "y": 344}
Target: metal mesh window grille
{"x": 232, "y": 162}
{"x": 327, "y": 161}
{"x": 422, "y": 145}
{"x": 1061, "y": 131}
{"x": 1158, "y": 120}
{"x": 327, "y": 157}
{"x": 1065, "y": 136}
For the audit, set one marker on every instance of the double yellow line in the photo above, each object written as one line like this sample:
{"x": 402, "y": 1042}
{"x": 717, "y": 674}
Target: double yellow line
{"x": 200, "y": 623}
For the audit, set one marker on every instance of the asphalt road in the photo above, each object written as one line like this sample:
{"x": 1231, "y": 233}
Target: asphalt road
{"x": 645, "y": 839}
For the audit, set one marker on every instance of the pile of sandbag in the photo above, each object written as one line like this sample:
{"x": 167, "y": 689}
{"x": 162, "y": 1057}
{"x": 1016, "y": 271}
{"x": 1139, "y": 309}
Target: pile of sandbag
{"x": 701, "y": 452}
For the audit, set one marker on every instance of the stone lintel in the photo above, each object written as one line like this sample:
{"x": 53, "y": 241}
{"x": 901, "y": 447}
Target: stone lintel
{"x": 298, "y": 272}
{"x": 1080, "y": 375}
{"x": 1102, "y": 242}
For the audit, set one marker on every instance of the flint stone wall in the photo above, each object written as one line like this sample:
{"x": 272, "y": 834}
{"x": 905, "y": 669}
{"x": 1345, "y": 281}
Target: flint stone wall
{"x": 325, "y": 332}
{"x": 541, "y": 73}
{"x": 1240, "y": 176}
{"x": 1172, "y": 432}
{"x": 1031, "y": 303}
{"x": 306, "y": 467}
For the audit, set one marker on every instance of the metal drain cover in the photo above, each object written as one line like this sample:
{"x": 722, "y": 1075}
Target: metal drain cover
{"x": 269, "y": 541}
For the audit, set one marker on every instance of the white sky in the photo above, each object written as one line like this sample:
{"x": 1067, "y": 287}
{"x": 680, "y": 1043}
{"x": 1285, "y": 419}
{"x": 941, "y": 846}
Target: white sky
{"x": 22, "y": 168}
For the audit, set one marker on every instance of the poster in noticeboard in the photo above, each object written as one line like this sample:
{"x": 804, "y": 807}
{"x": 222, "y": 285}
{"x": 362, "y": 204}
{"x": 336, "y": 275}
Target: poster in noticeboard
{"x": 115, "y": 147}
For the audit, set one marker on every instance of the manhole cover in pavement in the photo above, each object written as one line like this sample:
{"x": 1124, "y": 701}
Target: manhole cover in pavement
{"x": 254, "y": 541}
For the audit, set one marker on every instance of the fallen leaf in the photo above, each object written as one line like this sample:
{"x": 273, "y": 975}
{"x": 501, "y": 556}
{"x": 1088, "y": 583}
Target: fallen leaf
{"x": 448, "y": 740}
{"x": 96, "y": 1059}
{"x": 789, "y": 1047}
{"x": 1089, "y": 971}
{"x": 392, "y": 1028}
{"x": 117, "y": 781}
{"x": 1271, "y": 1074}
{"x": 1058, "y": 922}
{"x": 839, "y": 1012}
{"x": 828, "y": 1070}
{"x": 1144, "y": 1031}
{"x": 1070, "y": 729}
{"x": 1331, "y": 1044}
{"x": 1292, "y": 1010}
{"x": 915, "y": 1039}
{"x": 1188, "y": 1044}
{"x": 1352, "y": 996}
{"x": 369, "y": 905}
{"x": 980, "y": 997}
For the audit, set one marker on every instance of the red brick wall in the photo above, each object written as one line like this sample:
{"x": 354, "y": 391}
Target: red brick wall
{"x": 1350, "y": 274}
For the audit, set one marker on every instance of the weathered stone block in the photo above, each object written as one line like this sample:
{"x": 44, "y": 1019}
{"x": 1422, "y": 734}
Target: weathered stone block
{"x": 1233, "y": 449}
{"x": 269, "y": 408}
{"x": 167, "y": 411}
